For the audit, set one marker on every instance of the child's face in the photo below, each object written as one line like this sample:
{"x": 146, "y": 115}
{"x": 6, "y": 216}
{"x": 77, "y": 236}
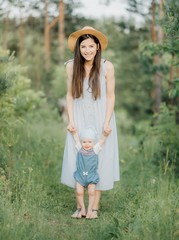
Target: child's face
{"x": 87, "y": 143}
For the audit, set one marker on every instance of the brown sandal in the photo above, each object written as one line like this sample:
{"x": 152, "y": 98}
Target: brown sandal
{"x": 77, "y": 213}
{"x": 94, "y": 214}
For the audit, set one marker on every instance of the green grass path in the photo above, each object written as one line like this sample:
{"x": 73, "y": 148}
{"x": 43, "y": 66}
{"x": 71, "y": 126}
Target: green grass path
{"x": 35, "y": 206}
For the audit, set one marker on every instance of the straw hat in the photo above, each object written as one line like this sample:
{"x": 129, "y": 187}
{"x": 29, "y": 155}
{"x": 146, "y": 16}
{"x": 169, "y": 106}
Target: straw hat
{"x": 87, "y": 30}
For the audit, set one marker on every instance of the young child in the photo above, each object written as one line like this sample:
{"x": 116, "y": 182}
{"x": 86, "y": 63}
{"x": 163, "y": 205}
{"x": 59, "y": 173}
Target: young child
{"x": 86, "y": 174}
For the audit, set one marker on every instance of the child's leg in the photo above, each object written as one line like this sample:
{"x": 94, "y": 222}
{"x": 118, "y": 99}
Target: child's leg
{"x": 91, "y": 195}
{"x": 96, "y": 204}
{"x": 80, "y": 198}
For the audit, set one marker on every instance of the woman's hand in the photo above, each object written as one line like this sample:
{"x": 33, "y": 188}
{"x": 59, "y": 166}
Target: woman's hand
{"x": 106, "y": 130}
{"x": 71, "y": 128}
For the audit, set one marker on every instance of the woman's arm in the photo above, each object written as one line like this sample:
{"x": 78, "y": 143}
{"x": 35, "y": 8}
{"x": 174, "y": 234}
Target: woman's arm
{"x": 69, "y": 97}
{"x": 110, "y": 95}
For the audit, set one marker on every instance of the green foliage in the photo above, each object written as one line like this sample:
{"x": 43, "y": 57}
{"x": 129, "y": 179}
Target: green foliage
{"x": 171, "y": 22}
{"x": 15, "y": 89}
{"x": 58, "y": 84}
{"x": 132, "y": 86}
{"x": 34, "y": 58}
{"x": 165, "y": 126}
{"x": 16, "y": 99}
{"x": 28, "y": 100}
{"x": 174, "y": 92}
{"x": 3, "y": 84}
{"x": 33, "y": 205}
{"x": 165, "y": 135}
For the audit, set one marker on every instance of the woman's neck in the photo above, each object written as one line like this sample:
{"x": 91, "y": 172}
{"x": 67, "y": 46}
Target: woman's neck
{"x": 88, "y": 67}
{"x": 88, "y": 63}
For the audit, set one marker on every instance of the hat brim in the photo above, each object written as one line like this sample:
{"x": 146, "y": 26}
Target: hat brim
{"x": 75, "y": 35}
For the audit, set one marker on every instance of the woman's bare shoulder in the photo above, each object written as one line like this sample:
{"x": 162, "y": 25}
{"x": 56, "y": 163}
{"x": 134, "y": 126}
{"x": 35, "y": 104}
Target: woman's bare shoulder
{"x": 69, "y": 66}
{"x": 109, "y": 65}
{"x": 109, "y": 68}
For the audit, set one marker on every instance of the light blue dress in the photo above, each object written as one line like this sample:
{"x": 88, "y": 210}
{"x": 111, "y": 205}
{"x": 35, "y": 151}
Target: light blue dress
{"x": 90, "y": 112}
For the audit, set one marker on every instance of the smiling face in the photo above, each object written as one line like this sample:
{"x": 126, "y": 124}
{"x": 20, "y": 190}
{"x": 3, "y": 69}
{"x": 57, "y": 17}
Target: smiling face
{"x": 88, "y": 49}
{"x": 87, "y": 143}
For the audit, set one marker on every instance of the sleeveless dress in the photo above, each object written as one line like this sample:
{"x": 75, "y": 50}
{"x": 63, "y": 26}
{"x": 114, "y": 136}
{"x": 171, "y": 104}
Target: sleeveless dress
{"x": 90, "y": 112}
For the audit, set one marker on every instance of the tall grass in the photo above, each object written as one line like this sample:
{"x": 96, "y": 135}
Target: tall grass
{"x": 35, "y": 206}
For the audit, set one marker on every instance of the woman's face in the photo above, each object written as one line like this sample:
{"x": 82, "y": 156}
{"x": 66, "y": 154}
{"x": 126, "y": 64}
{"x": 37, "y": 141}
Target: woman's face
{"x": 88, "y": 49}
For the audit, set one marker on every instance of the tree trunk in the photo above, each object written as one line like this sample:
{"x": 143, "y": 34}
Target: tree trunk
{"x": 161, "y": 14}
{"x": 61, "y": 34}
{"x": 5, "y": 31}
{"x": 153, "y": 30}
{"x": 47, "y": 38}
{"x": 21, "y": 39}
{"x": 47, "y": 28}
{"x": 156, "y": 93}
{"x": 177, "y": 72}
{"x": 157, "y": 78}
{"x": 172, "y": 70}
{"x": 177, "y": 100}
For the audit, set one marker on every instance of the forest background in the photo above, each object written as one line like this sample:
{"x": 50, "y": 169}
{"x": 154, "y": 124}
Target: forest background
{"x": 33, "y": 203}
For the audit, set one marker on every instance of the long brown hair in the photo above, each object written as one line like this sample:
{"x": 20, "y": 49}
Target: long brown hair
{"x": 79, "y": 70}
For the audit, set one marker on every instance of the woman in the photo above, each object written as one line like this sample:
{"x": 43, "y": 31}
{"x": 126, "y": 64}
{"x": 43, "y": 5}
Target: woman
{"x": 90, "y": 102}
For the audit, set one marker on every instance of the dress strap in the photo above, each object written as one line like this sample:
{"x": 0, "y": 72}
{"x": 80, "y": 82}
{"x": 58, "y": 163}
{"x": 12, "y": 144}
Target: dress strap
{"x": 103, "y": 68}
{"x": 71, "y": 60}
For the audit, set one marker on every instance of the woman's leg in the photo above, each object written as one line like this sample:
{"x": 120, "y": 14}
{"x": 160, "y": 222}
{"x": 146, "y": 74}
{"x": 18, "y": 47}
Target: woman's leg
{"x": 97, "y": 199}
{"x": 91, "y": 198}
{"x": 93, "y": 206}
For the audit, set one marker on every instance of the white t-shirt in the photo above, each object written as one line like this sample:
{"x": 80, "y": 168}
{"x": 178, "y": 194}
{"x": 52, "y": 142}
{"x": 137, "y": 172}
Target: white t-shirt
{"x": 96, "y": 148}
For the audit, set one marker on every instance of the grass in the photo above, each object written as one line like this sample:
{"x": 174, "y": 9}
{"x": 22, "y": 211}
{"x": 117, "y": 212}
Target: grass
{"x": 35, "y": 206}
